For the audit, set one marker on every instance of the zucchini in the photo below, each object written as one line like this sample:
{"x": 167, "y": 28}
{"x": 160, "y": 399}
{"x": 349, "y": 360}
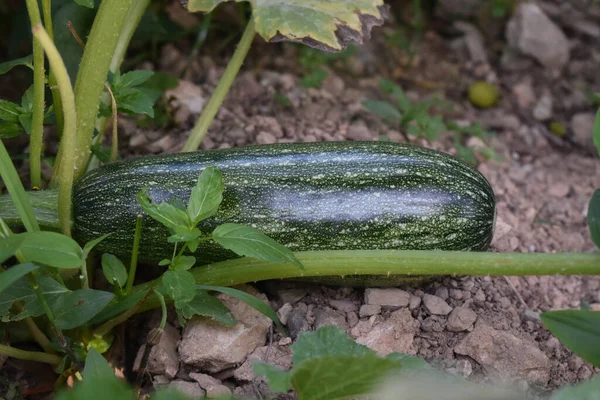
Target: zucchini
{"x": 306, "y": 196}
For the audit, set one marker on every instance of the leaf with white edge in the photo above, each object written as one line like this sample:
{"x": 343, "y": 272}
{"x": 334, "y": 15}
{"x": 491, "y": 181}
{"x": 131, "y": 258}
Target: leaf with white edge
{"x": 10, "y": 111}
{"x": 13, "y": 274}
{"x": 26, "y": 61}
{"x": 165, "y": 213}
{"x": 325, "y": 25}
{"x": 52, "y": 249}
{"x": 279, "y": 380}
{"x": 593, "y": 217}
{"x": 247, "y": 298}
{"x": 74, "y": 309}
{"x": 208, "y": 306}
{"x": 183, "y": 263}
{"x": 247, "y": 241}
{"x": 10, "y": 245}
{"x": 179, "y": 286}
{"x": 114, "y": 270}
{"x": 22, "y": 291}
{"x": 588, "y": 390}
{"x": 206, "y": 195}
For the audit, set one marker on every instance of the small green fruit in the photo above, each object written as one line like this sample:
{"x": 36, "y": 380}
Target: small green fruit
{"x": 557, "y": 129}
{"x": 483, "y": 94}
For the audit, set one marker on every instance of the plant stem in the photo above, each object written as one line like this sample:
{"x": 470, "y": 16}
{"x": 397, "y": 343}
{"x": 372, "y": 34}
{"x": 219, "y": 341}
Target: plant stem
{"x": 134, "y": 254}
{"x": 56, "y": 100}
{"x": 18, "y": 196}
{"x": 163, "y": 309}
{"x": 213, "y": 105}
{"x": 37, "y": 123}
{"x": 43, "y": 206}
{"x": 39, "y": 336}
{"x": 29, "y": 355}
{"x": 99, "y": 50}
{"x": 110, "y": 324}
{"x": 68, "y": 140}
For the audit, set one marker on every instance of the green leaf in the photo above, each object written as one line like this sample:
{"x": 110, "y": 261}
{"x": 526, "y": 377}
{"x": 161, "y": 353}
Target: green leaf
{"x": 402, "y": 99}
{"x": 185, "y": 236}
{"x": 165, "y": 213}
{"x": 247, "y": 298}
{"x": 26, "y": 121}
{"x": 596, "y": 131}
{"x": 313, "y": 79}
{"x": 325, "y": 25}
{"x": 89, "y": 246}
{"x": 96, "y": 367}
{"x": 588, "y": 390}
{"x": 74, "y": 309}
{"x": 13, "y": 274}
{"x": 10, "y": 245}
{"x": 206, "y": 195}
{"x": 208, "y": 306}
{"x": 119, "y": 307}
{"x": 134, "y": 101}
{"x": 579, "y": 330}
{"x": 179, "y": 286}
{"x": 10, "y": 129}
{"x": 134, "y": 78}
{"x": 165, "y": 393}
{"x": 384, "y": 109}
{"x": 183, "y": 263}
{"x": 52, "y": 249}
{"x": 8, "y": 65}
{"x": 27, "y": 99}
{"x": 22, "y": 291}
{"x": 593, "y": 217}
{"x": 247, "y": 241}
{"x": 10, "y": 111}
{"x": 326, "y": 341}
{"x": 114, "y": 270}
{"x": 85, "y": 3}
{"x": 279, "y": 380}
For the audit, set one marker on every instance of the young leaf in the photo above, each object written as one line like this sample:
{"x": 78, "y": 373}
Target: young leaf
{"x": 247, "y": 298}
{"x": 22, "y": 291}
{"x": 74, "y": 309}
{"x": 89, "y": 246}
{"x": 134, "y": 101}
{"x": 313, "y": 79}
{"x": 179, "y": 286}
{"x": 10, "y": 245}
{"x": 596, "y": 131}
{"x": 27, "y": 99}
{"x": 10, "y": 111}
{"x": 10, "y": 129}
{"x": 134, "y": 78}
{"x": 206, "y": 195}
{"x": 185, "y": 236}
{"x": 168, "y": 215}
{"x": 114, "y": 270}
{"x": 26, "y": 121}
{"x": 13, "y": 274}
{"x": 52, "y": 249}
{"x": 8, "y": 65}
{"x": 326, "y": 341}
{"x": 593, "y": 217}
{"x": 390, "y": 87}
{"x": 247, "y": 241}
{"x": 384, "y": 109}
{"x": 96, "y": 367}
{"x": 208, "y": 306}
{"x": 578, "y": 330}
{"x": 588, "y": 390}
{"x": 279, "y": 380}
{"x": 183, "y": 263}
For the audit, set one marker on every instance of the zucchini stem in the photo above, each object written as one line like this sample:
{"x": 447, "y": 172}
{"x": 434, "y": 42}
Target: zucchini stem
{"x": 30, "y": 355}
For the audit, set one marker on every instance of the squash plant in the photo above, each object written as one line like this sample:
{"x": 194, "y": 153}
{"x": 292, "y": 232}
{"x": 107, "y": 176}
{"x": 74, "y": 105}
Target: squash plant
{"x": 81, "y": 320}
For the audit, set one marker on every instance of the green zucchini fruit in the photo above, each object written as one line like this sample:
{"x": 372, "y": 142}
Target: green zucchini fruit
{"x": 306, "y": 196}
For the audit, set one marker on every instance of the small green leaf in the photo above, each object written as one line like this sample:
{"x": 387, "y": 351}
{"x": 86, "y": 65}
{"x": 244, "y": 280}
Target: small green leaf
{"x": 578, "y": 330}
{"x": 179, "y": 286}
{"x": 593, "y": 217}
{"x": 247, "y": 241}
{"x": 384, "y": 109}
{"x": 119, "y": 307}
{"x": 279, "y": 380}
{"x": 26, "y": 121}
{"x": 164, "y": 262}
{"x": 177, "y": 203}
{"x": 588, "y": 390}
{"x": 247, "y": 298}
{"x": 74, "y": 309}
{"x": 208, "y": 306}
{"x": 184, "y": 236}
{"x": 8, "y": 65}
{"x": 313, "y": 79}
{"x": 134, "y": 101}
{"x": 13, "y": 274}
{"x": 135, "y": 78}
{"x": 10, "y": 129}
{"x": 324, "y": 342}
{"x": 22, "y": 291}
{"x": 114, "y": 270}
{"x": 206, "y": 195}
{"x": 27, "y": 100}
{"x": 10, "y": 111}
{"x": 183, "y": 263}
{"x": 168, "y": 215}
{"x": 402, "y": 100}
{"x": 96, "y": 367}
{"x": 10, "y": 245}
{"x": 52, "y": 249}
{"x": 596, "y": 131}
{"x": 85, "y": 3}
{"x": 89, "y": 246}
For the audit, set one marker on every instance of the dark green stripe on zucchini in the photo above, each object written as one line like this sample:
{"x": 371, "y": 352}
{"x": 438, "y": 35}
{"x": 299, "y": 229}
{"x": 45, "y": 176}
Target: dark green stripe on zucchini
{"x": 307, "y": 196}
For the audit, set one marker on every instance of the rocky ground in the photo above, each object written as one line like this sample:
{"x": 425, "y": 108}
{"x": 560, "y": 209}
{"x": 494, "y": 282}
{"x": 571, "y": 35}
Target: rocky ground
{"x": 480, "y": 328}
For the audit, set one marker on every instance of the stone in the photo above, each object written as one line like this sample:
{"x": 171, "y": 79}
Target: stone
{"x": 531, "y": 32}
{"x": 360, "y": 132}
{"x": 330, "y": 317}
{"x": 414, "y": 302}
{"x": 524, "y": 95}
{"x": 395, "y": 334}
{"x": 461, "y": 319}
{"x": 343, "y": 305}
{"x": 560, "y": 189}
{"x": 291, "y": 295}
{"x": 390, "y": 297}
{"x": 582, "y": 125}
{"x": 297, "y": 322}
{"x": 162, "y": 359}
{"x": 265, "y": 138}
{"x": 505, "y": 355}
{"x": 464, "y": 367}
{"x": 333, "y": 84}
{"x": 436, "y": 305}
{"x": 352, "y": 319}
{"x": 190, "y": 389}
{"x": 366, "y": 310}
{"x": 213, "y": 347}
{"x": 284, "y": 312}
{"x": 543, "y": 108}
{"x": 280, "y": 356}
{"x": 213, "y": 387}
{"x": 187, "y": 99}
{"x": 442, "y": 292}
{"x": 474, "y": 41}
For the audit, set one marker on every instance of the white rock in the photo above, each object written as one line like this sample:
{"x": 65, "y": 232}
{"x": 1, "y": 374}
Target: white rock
{"x": 360, "y": 132}
{"x": 582, "y": 125}
{"x": 366, "y": 310}
{"x": 190, "y": 389}
{"x": 162, "y": 359}
{"x": 543, "y": 108}
{"x": 391, "y": 297}
{"x": 461, "y": 319}
{"x": 395, "y": 334}
{"x": 436, "y": 305}
{"x": 213, "y": 387}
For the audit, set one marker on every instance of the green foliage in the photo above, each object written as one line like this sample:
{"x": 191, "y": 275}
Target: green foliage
{"x": 114, "y": 270}
{"x": 15, "y": 118}
{"x": 313, "y": 79}
{"x": 593, "y": 217}
{"x": 51, "y": 249}
{"x": 8, "y": 65}
{"x": 74, "y": 309}
{"x": 596, "y": 131}
{"x": 15, "y": 273}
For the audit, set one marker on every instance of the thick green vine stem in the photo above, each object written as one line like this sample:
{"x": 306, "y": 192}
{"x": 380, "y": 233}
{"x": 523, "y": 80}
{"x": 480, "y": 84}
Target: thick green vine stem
{"x": 42, "y": 204}
{"x": 213, "y": 105}
{"x": 67, "y": 142}
{"x": 93, "y": 70}
{"x": 39, "y": 86}
{"x": 29, "y": 355}
{"x": 56, "y": 100}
